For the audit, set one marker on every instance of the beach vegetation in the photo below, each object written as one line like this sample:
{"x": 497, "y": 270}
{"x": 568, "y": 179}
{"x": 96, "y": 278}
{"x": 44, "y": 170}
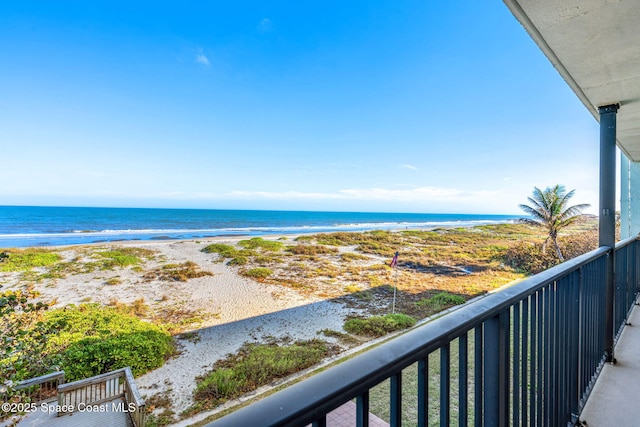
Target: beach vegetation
{"x": 177, "y": 272}
{"x": 225, "y": 251}
{"x": 440, "y": 301}
{"x": 345, "y": 339}
{"x": 527, "y": 256}
{"x": 351, "y": 289}
{"x": 352, "y": 256}
{"x": 115, "y": 257}
{"x": 21, "y": 339}
{"x": 256, "y": 365}
{"x": 107, "y": 260}
{"x": 27, "y": 259}
{"x": 238, "y": 260}
{"x": 267, "y": 259}
{"x": 113, "y": 281}
{"x": 257, "y": 273}
{"x": 83, "y": 340}
{"x": 260, "y": 243}
{"x": 301, "y": 249}
{"x": 377, "y": 326}
{"x": 550, "y": 210}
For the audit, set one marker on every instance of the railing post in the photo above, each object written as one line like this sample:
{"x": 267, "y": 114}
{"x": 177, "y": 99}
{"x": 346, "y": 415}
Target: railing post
{"x": 495, "y": 366}
{"x": 607, "y": 213}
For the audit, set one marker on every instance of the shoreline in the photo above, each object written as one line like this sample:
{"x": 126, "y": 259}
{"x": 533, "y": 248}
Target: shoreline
{"x": 305, "y": 295}
{"x": 266, "y": 235}
{"x": 112, "y": 231}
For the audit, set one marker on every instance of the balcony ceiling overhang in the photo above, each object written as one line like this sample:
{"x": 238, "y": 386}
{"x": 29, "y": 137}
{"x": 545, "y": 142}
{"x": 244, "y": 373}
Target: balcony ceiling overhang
{"x": 595, "y": 45}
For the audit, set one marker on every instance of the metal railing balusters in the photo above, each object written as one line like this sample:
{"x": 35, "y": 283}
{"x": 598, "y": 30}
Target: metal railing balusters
{"x": 362, "y": 410}
{"x": 524, "y": 361}
{"x": 541, "y": 358}
{"x": 533, "y": 361}
{"x": 463, "y": 381}
{"x": 573, "y": 386}
{"x": 445, "y": 385}
{"x": 537, "y": 348}
{"x": 423, "y": 392}
{"x": 395, "y": 390}
{"x": 321, "y": 422}
{"x": 478, "y": 376}
{"x": 515, "y": 391}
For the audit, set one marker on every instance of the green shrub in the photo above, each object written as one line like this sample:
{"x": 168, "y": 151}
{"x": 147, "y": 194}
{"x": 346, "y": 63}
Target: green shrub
{"x": 440, "y": 301}
{"x": 177, "y": 272}
{"x": 256, "y": 365}
{"x": 89, "y": 340}
{"x": 260, "y": 243}
{"x": 225, "y": 251}
{"x": 239, "y": 260}
{"x": 378, "y": 326}
{"x": 23, "y": 260}
{"x": 258, "y": 273}
{"x": 528, "y": 257}
{"x": 311, "y": 250}
{"x": 117, "y": 258}
{"x": 352, "y": 256}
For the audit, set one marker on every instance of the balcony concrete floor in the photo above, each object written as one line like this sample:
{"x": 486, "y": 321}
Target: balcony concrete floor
{"x": 615, "y": 399}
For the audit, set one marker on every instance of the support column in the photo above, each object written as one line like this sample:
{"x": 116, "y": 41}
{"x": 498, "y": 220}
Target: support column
{"x": 607, "y": 213}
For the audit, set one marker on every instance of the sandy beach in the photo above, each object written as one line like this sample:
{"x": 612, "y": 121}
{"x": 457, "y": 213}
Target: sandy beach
{"x": 312, "y": 287}
{"x": 223, "y": 310}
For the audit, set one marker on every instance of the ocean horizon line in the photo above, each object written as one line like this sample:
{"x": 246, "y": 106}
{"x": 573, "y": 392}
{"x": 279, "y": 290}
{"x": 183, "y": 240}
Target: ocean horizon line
{"x": 259, "y": 210}
{"x": 24, "y": 226}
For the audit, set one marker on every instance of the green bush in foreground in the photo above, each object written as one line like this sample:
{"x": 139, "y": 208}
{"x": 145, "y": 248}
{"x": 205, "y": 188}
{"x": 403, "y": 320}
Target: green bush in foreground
{"x": 378, "y": 326}
{"x": 256, "y": 365}
{"x": 90, "y": 339}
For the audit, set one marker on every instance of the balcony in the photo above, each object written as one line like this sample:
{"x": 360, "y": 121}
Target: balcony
{"x": 528, "y": 355}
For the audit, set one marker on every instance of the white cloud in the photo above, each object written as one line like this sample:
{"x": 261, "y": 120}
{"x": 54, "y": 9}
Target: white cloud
{"x": 415, "y": 168}
{"x": 265, "y": 25}
{"x": 420, "y": 194}
{"x": 202, "y": 59}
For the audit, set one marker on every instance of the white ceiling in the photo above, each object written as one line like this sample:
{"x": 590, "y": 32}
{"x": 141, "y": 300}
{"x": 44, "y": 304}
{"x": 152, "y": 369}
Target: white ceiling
{"x": 595, "y": 45}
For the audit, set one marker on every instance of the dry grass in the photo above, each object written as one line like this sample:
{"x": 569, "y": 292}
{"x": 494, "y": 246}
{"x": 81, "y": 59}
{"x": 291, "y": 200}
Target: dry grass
{"x": 464, "y": 262}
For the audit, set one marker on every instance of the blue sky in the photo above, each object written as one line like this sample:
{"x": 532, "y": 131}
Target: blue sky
{"x": 410, "y": 106}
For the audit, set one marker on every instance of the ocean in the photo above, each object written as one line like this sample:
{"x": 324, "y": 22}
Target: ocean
{"x": 25, "y": 226}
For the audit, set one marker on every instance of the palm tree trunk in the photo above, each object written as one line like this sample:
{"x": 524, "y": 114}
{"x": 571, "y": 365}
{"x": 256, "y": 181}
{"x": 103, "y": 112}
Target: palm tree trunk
{"x": 558, "y": 251}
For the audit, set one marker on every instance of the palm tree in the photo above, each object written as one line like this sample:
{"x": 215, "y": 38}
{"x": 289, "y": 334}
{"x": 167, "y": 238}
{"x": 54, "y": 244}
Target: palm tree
{"x": 549, "y": 210}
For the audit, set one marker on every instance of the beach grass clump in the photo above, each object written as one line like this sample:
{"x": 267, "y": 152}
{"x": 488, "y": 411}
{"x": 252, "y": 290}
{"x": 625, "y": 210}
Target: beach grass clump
{"x": 239, "y": 260}
{"x": 260, "y": 243}
{"x": 177, "y": 272}
{"x": 113, "y": 281}
{"x": 312, "y": 250}
{"x": 27, "y": 259}
{"x": 378, "y": 326}
{"x": 256, "y": 365}
{"x": 257, "y": 273}
{"x": 238, "y": 257}
{"x": 336, "y": 239}
{"x": 352, "y": 256}
{"x": 225, "y": 251}
{"x": 108, "y": 260}
{"x": 440, "y": 301}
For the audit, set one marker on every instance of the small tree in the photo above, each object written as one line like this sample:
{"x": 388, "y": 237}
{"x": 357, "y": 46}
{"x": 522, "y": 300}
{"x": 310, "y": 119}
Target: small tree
{"x": 549, "y": 210}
